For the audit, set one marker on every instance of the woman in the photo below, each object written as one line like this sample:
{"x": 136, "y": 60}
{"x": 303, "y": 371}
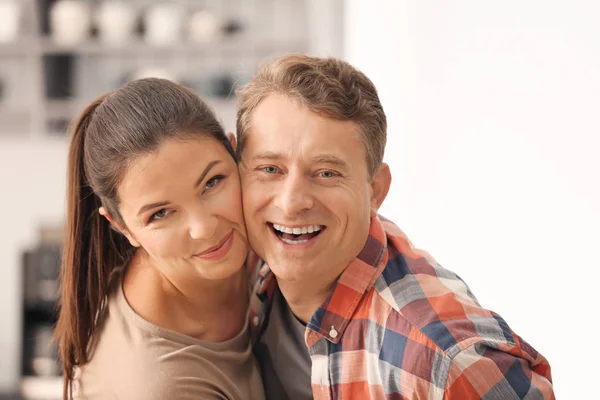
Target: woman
{"x": 154, "y": 293}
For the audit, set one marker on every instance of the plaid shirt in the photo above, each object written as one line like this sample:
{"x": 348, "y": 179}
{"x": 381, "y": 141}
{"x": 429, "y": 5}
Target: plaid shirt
{"x": 399, "y": 326}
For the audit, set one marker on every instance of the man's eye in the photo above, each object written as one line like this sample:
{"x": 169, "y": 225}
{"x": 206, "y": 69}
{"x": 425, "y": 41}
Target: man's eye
{"x": 270, "y": 170}
{"x": 327, "y": 174}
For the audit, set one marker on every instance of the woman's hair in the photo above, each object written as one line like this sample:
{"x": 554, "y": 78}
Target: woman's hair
{"x": 111, "y": 133}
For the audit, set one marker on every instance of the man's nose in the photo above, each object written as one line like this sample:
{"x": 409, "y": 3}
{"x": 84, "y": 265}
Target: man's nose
{"x": 294, "y": 195}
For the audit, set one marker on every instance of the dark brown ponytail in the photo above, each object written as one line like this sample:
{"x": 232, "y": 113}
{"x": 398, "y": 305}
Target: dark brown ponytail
{"x": 91, "y": 247}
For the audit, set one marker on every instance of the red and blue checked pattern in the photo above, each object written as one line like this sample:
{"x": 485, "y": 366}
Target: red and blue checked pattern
{"x": 399, "y": 326}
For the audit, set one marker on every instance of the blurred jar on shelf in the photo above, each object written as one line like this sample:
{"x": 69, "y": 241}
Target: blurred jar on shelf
{"x": 70, "y": 21}
{"x": 204, "y": 27}
{"x": 10, "y": 18}
{"x": 116, "y": 21}
{"x": 163, "y": 23}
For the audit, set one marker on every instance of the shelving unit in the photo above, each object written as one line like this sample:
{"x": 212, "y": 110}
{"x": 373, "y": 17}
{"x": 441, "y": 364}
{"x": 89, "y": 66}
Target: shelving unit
{"x": 44, "y": 85}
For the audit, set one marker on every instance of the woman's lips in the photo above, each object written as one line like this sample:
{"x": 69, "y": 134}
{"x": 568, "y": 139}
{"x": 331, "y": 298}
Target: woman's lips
{"x": 219, "y": 251}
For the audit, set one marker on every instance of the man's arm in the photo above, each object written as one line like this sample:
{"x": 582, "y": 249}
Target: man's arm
{"x": 493, "y": 370}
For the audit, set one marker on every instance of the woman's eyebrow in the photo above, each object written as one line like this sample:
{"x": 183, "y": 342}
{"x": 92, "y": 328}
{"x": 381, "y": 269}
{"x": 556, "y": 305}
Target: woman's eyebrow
{"x": 206, "y": 170}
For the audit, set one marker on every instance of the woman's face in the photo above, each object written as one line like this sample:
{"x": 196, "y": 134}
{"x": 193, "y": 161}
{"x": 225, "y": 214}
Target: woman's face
{"x": 182, "y": 206}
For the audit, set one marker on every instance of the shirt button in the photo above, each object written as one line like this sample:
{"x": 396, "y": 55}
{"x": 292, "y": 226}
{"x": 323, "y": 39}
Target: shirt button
{"x": 255, "y": 320}
{"x": 333, "y": 333}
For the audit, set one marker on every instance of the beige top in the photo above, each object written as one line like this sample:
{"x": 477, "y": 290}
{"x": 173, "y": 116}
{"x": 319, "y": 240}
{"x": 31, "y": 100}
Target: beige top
{"x": 136, "y": 360}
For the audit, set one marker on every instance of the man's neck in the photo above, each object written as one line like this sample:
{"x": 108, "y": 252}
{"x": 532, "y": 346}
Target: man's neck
{"x": 304, "y": 298}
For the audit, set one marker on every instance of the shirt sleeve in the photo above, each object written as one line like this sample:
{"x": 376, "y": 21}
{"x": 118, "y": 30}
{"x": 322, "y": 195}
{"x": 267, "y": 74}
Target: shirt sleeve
{"x": 499, "y": 371}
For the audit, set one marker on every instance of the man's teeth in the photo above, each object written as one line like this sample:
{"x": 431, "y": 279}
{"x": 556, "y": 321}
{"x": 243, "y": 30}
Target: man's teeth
{"x": 297, "y": 230}
{"x": 288, "y": 241}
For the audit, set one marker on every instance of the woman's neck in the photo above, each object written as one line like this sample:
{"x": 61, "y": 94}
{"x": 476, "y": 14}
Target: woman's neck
{"x": 211, "y": 310}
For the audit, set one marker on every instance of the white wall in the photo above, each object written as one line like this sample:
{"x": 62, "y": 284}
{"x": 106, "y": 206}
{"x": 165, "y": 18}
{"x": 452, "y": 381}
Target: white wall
{"x": 493, "y": 140}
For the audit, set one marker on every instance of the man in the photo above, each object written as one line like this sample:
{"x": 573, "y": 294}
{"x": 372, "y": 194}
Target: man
{"x": 343, "y": 305}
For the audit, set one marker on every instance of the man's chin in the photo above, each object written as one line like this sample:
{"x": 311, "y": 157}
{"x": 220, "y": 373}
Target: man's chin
{"x": 290, "y": 270}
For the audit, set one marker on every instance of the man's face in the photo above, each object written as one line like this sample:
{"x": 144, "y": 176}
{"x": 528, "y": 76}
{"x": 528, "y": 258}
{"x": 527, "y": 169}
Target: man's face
{"x": 307, "y": 196}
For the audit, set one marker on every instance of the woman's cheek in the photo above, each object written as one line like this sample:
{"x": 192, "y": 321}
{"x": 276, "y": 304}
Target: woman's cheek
{"x": 166, "y": 242}
{"x": 231, "y": 204}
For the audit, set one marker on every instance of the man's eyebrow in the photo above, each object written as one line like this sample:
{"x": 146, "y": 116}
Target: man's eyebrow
{"x": 329, "y": 159}
{"x": 268, "y": 155}
{"x": 318, "y": 159}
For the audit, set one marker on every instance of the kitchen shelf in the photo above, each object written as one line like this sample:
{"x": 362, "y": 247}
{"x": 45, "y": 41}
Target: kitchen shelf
{"x": 21, "y": 47}
{"x": 56, "y": 81}
{"x": 232, "y": 47}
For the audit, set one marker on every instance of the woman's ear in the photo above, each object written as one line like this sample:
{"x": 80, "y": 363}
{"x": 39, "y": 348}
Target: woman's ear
{"x": 116, "y": 227}
{"x": 232, "y": 140}
{"x": 380, "y": 186}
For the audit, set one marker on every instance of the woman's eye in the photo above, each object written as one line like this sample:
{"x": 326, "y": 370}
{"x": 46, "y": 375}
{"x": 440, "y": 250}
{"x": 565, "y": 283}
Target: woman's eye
{"x": 212, "y": 182}
{"x": 160, "y": 214}
{"x": 270, "y": 170}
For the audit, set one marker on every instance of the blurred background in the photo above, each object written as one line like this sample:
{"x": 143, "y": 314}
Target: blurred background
{"x": 493, "y": 141}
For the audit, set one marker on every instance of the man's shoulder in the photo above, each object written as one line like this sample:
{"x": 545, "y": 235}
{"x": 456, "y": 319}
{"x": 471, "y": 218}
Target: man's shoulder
{"x": 434, "y": 300}
{"x": 412, "y": 274}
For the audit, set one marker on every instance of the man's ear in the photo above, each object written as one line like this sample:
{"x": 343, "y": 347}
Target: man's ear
{"x": 380, "y": 186}
{"x": 123, "y": 231}
{"x": 232, "y": 140}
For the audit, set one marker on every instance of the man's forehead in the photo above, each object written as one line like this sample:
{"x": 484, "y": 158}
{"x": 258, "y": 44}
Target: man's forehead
{"x": 281, "y": 128}
{"x": 278, "y": 110}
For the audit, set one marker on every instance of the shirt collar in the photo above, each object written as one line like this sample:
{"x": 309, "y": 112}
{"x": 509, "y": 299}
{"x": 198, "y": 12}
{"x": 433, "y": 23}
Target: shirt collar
{"x": 331, "y": 319}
